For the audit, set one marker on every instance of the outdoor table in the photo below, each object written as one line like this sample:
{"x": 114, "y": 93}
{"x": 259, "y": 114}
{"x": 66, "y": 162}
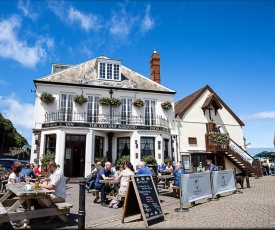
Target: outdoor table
{"x": 114, "y": 184}
{"x": 165, "y": 179}
{"x": 10, "y": 208}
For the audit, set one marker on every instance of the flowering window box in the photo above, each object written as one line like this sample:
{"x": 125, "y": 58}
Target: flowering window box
{"x": 47, "y": 98}
{"x": 166, "y": 105}
{"x": 138, "y": 103}
{"x": 80, "y": 99}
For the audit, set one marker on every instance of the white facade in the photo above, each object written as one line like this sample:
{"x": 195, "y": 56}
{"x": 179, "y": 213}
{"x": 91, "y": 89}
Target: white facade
{"x": 64, "y": 127}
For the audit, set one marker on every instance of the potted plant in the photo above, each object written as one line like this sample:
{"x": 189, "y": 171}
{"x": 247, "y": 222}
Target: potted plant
{"x": 47, "y": 157}
{"x": 138, "y": 103}
{"x": 115, "y": 101}
{"x": 47, "y": 97}
{"x": 80, "y": 99}
{"x": 104, "y": 101}
{"x": 101, "y": 159}
{"x": 122, "y": 160}
{"x": 168, "y": 159}
{"x": 219, "y": 138}
{"x": 166, "y": 105}
{"x": 150, "y": 159}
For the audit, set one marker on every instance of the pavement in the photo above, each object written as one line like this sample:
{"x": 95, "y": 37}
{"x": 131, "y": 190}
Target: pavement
{"x": 251, "y": 208}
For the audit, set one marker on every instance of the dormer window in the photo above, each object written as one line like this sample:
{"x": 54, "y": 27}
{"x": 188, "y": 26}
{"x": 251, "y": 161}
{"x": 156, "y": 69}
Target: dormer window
{"x": 108, "y": 69}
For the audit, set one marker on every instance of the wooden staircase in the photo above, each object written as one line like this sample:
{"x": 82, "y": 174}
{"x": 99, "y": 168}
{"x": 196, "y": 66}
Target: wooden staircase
{"x": 242, "y": 159}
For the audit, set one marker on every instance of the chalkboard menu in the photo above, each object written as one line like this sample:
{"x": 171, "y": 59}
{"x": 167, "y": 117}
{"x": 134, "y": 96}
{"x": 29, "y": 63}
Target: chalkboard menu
{"x": 141, "y": 197}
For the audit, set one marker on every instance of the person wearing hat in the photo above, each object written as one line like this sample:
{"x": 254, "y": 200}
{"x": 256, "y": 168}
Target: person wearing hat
{"x": 200, "y": 168}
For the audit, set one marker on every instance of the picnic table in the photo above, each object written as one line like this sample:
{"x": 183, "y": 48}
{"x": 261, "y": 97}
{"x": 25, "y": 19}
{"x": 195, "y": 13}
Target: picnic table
{"x": 10, "y": 208}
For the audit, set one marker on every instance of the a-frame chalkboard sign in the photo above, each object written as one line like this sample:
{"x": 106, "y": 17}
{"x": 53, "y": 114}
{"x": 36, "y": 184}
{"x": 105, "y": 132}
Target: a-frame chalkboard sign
{"x": 142, "y": 198}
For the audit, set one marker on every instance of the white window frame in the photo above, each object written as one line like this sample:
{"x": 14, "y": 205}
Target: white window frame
{"x": 150, "y": 112}
{"x": 92, "y": 108}
{"x": 126, "y": 110}
{"x": 109, "y": 69}
{"x": 66, "y": 106}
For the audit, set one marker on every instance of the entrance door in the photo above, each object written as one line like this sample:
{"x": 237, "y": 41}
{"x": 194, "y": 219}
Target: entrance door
{"x": 78, "y": 162}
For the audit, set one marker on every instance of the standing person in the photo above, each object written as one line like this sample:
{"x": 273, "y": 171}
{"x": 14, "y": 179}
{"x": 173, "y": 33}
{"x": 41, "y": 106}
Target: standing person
{"x": 124, "y": 177}
{"x": 104, "y": 174}
{"x": 200, "y": 168}
{"x": 212, "y": 167}
{"x": 16, "y": 176}
{"x": 177, "y": 172}
{"x": 58, "y": 184}
{"x": 143, "y": 169}
{"x": 265, "y": 165}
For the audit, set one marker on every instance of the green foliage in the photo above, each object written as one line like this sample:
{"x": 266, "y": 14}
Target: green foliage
{"x": 166, "y": 105}
{"x": 47, "y": 97}
{"x": 47, "y": 157}
{"x": 218, "y": 137}
{"x": 168, "y": 159}
{"x": 122, "y": 160}
{"x": 138, "y": 103}
{"x": 101, "y": 159}
{"x": 80, "y": 99}
{"x": 149, "y": 160}
{"x": 110, "y": 101}
{"x": 9, "y": 137}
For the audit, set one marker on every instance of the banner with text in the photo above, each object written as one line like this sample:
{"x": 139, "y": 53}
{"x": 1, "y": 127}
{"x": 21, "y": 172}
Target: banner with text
{"x": 223, "y": 181}
{"x": 195, "y": 186}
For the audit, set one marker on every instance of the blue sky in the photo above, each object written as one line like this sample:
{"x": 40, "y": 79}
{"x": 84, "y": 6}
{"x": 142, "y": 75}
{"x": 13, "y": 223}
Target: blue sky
{"x": 229, "y": 45}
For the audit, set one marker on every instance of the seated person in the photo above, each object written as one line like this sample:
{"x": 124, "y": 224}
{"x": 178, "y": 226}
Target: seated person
{"x": 212, "y": 167}
{"x": 169, "y": 167}
{"x": 177, "y": 172}
{"x": 200, "y": 168}
{"x": 161, "y": 167}
{"x": 104, "y": 174}
{"x": 143, "y": 169}
{"x": 36, "y": 170}
{"x": 28, "y": 172}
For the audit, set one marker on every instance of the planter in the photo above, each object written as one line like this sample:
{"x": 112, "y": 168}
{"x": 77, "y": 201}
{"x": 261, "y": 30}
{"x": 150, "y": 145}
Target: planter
{"x": 110, "y": 101}
{"x": 80, "y": 99}
{"x": 138, "y": 103}
{"x": 47, "y": 98}
{"x": 166, "y": 105}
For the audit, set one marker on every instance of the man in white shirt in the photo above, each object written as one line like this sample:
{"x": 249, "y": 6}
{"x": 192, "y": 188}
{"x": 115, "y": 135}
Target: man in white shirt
{"x": 58, "y": 184}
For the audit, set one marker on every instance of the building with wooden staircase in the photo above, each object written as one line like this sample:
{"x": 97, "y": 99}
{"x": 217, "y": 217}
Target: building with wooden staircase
{"x": 208, "y": 129}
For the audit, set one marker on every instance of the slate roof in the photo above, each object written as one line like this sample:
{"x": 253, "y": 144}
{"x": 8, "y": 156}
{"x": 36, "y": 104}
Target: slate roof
{"x": 85, "y": 74}
{"x": 184, "y": 104}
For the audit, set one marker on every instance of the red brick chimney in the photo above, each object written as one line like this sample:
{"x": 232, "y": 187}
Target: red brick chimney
{"x": 155, "y": 67}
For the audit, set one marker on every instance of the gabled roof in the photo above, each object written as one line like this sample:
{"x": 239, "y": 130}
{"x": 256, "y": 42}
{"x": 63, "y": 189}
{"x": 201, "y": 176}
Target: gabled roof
{"x": 211, "y": 100}
{"x": 85, "y": 74}
{"x": 184, "y": 104}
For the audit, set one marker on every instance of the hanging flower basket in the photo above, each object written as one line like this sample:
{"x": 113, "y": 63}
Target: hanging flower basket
{"x": 80, "y": 99}
{"x": 110, "y": 101}
{"x": 219, "y": 138}
{"x": 138, "y": 103}
{"x": 166, "y": 105}
{"x": 47, "y": 97}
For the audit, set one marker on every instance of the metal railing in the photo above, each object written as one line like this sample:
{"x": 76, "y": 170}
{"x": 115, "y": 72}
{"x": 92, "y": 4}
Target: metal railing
{"x": 109, "y": 118}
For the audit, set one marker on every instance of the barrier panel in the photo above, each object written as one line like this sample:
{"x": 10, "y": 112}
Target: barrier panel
{"x": 223, "y": 181}
{"x": 195, "y": 186}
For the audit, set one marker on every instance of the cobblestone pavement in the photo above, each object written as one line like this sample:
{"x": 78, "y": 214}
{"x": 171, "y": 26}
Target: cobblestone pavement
{"x": 251, "y": 209}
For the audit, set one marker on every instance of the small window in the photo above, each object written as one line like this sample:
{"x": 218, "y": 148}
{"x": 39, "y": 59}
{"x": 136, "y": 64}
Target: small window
{"x": 192, "y": 140}
{"x": 108, "y": 69}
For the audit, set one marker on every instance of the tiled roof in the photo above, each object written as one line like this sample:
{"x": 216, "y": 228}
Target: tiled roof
{"x": 184, "y": 104}
{"x": 86, "y": 74}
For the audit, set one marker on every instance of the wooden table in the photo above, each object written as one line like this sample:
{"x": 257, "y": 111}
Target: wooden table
{"x": 114, "y": 184}
{"x": 10, "y": 208}
{"x": 165, "y": 179}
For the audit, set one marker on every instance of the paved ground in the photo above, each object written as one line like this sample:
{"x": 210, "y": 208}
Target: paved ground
{"x": 253, "y": 208}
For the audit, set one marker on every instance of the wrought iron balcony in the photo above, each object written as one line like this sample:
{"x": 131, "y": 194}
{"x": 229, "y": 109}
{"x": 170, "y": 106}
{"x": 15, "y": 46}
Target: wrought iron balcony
{"x": 108, "y": 118}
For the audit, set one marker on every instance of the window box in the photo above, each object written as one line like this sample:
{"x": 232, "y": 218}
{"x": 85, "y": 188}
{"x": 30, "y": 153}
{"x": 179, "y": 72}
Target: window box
{"x": 80, "y": 99}
{"x": 138, "y": 103}
{"x": 166, "y": 105}
{"x": 218, "y": 138}
{"x": 47, "y": 98}
{"x": 110, "y": 101}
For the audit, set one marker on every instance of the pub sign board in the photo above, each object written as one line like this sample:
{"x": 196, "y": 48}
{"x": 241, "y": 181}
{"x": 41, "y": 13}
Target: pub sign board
{"x": 142, "y": 198}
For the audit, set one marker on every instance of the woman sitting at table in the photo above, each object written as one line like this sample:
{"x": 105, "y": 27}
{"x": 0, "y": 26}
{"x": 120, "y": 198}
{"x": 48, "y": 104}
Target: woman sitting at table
{"x": 16, "y": 176}
{"x": 36, "y": 170}
{"x": 123, "y": 178}
{"x": 169, "y": 167}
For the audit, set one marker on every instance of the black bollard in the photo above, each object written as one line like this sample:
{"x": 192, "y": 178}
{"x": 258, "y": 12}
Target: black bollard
{"x": 247, "y": 178}
{"x": 81, "y": 209}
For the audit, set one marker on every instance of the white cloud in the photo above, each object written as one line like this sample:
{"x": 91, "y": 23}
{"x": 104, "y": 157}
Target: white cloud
{"x": 86, "y": 21}
{"x": 12, "y": 47}
{"x": 122, "y": 23}
{"x": 26, "y": 9}
{"x": 20, "y": 114}
{"x": 147, "y": 23}
{"x": 260, "y": 116}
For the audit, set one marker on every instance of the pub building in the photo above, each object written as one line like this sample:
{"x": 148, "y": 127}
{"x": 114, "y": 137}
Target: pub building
{"x": 102, "y": 108}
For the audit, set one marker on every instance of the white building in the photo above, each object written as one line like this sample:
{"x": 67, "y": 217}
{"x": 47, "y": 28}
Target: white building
{"x": 78, "y": 133}
{"x": 201, "y": 114}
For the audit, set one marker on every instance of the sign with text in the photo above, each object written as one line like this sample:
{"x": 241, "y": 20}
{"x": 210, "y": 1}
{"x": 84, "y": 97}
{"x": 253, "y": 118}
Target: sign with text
{"x": 223, "y": 181}
{"x": 141, "y": 197}
{"x": 195, "y": 186}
